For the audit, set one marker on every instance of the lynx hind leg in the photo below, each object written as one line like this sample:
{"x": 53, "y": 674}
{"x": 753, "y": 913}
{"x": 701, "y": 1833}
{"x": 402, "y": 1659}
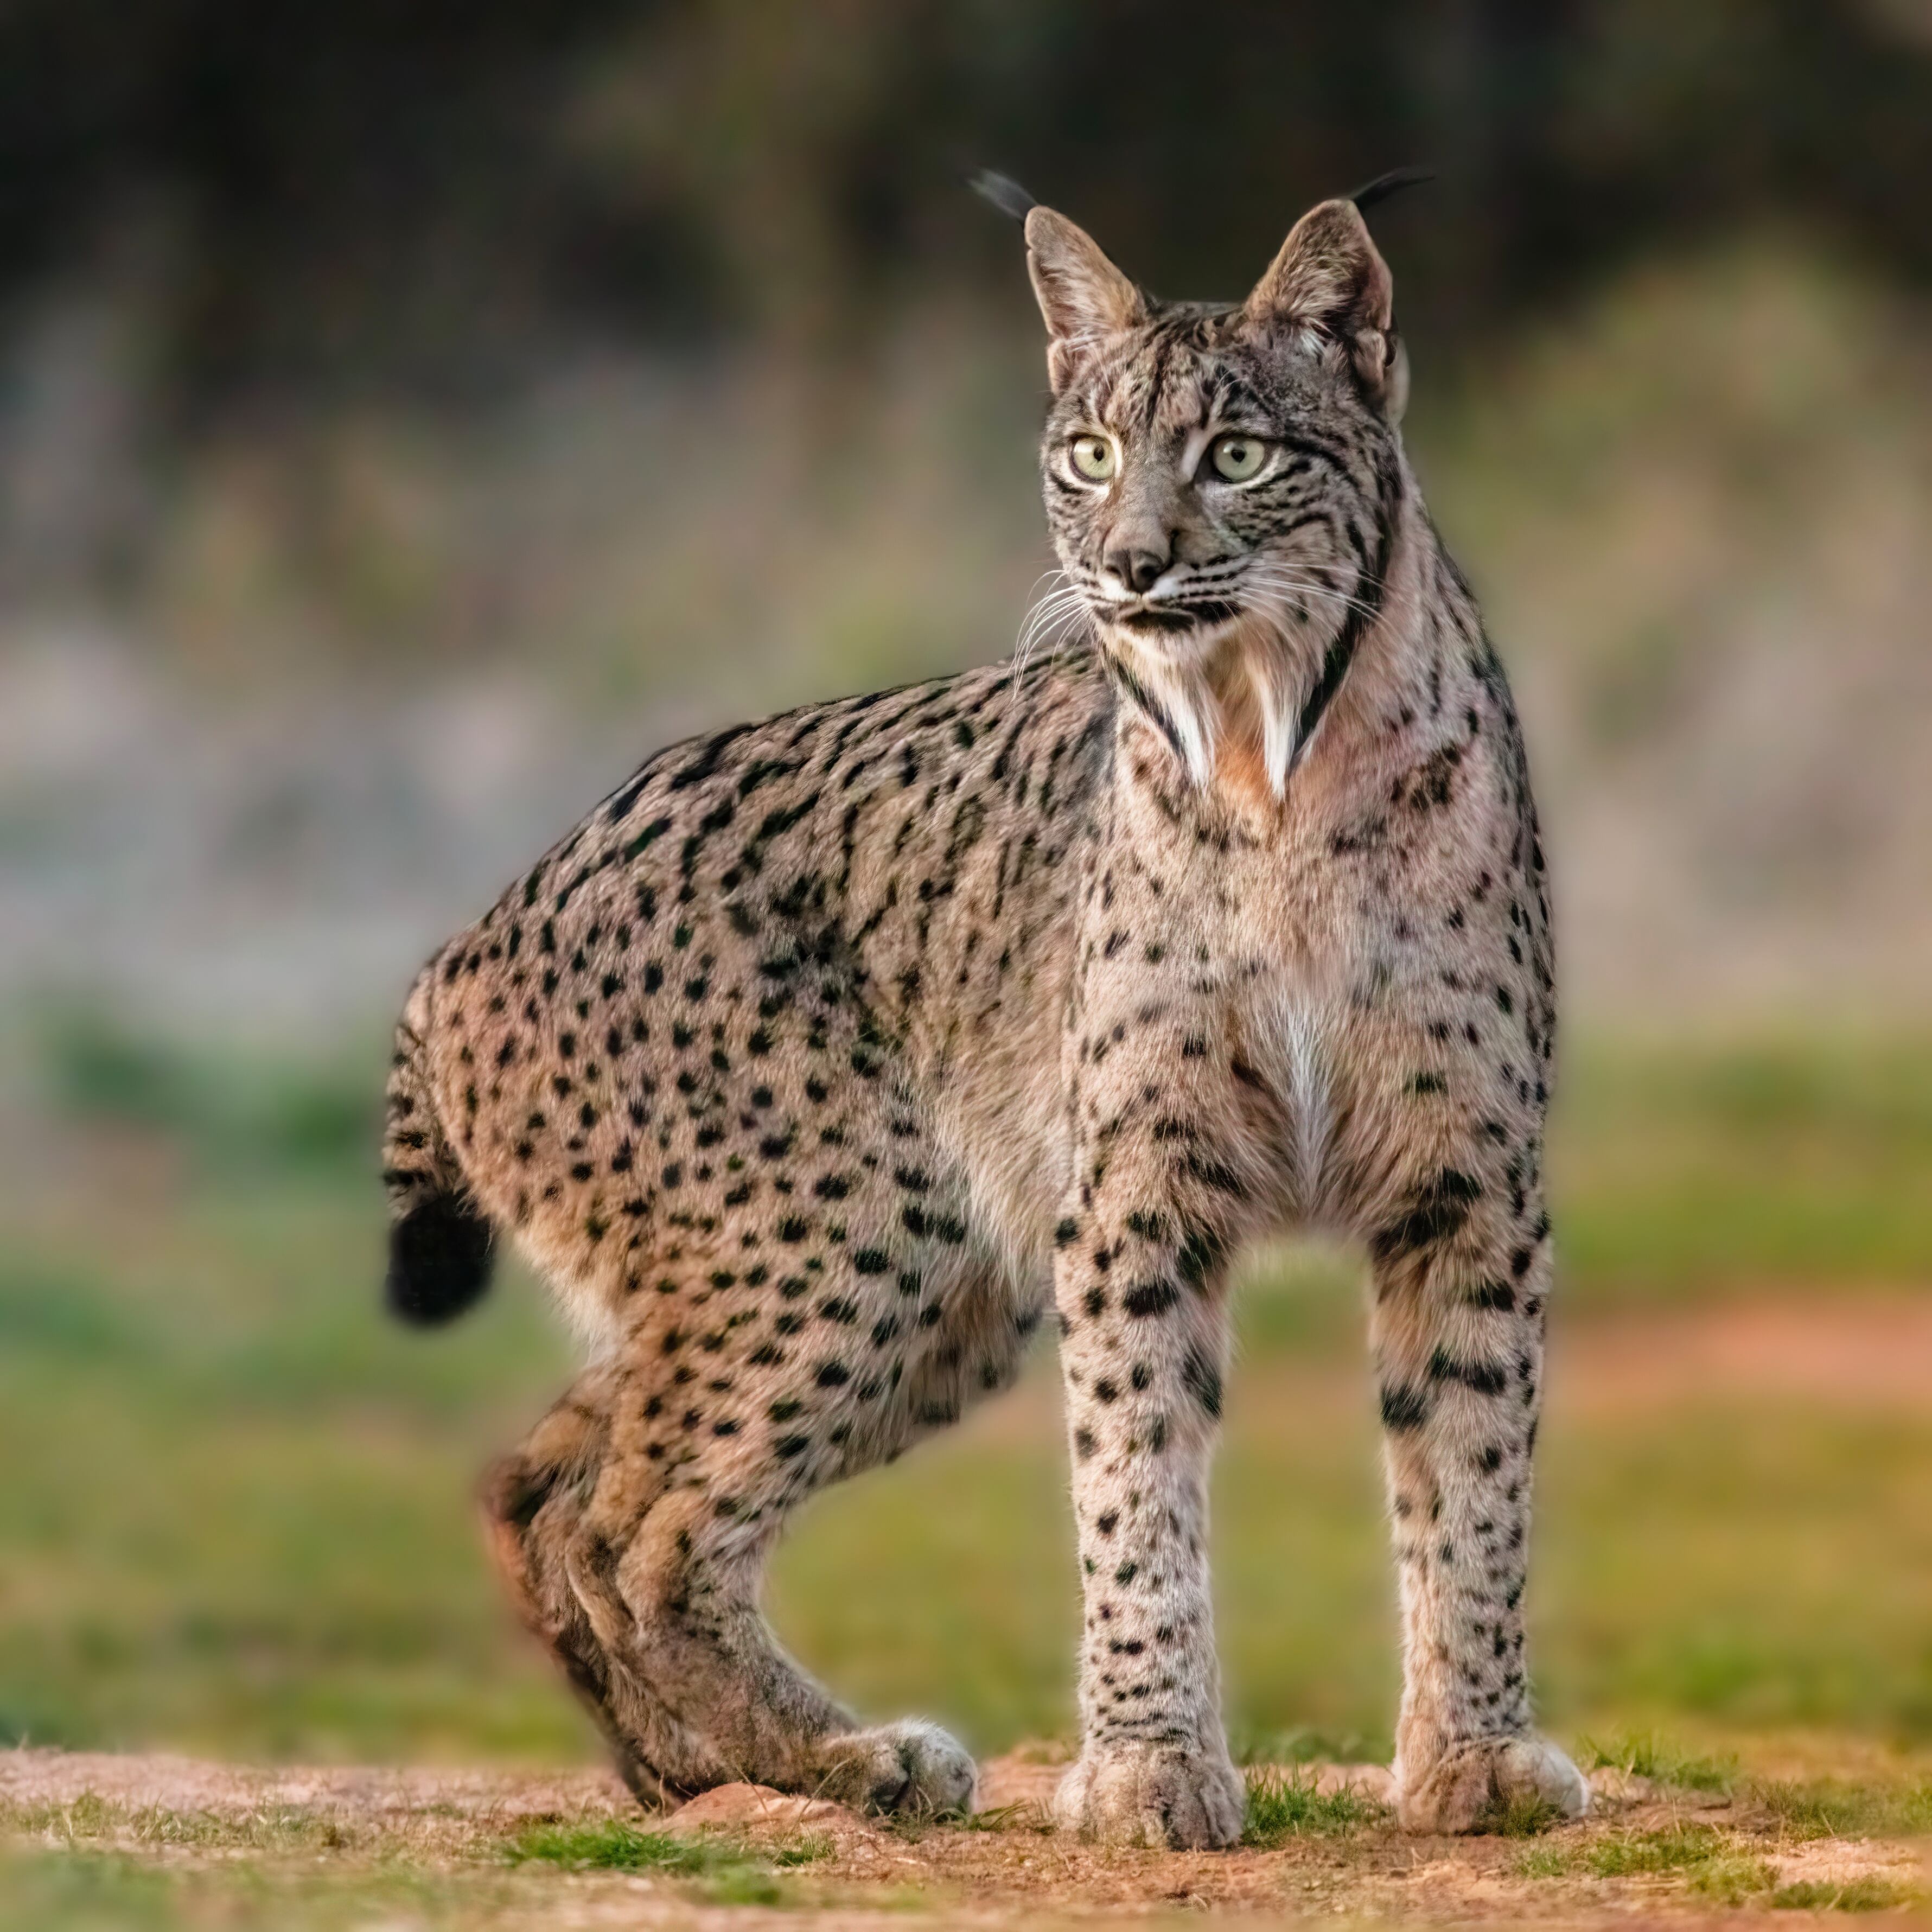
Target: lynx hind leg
{"x": 534, "y": 1502}
{"x": 633, "y": 1537}
{"x": 1457, "y": 1332}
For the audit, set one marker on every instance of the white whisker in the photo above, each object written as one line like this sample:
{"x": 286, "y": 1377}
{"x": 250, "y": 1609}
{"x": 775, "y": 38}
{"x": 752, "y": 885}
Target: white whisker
{"x": 1046, "y": 617}
{"x": 1272, "y": 578}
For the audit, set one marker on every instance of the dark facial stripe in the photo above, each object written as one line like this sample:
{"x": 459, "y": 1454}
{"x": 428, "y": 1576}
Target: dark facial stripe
{"x": 1149, "y": 707}
{"x": 1370, "y": 590}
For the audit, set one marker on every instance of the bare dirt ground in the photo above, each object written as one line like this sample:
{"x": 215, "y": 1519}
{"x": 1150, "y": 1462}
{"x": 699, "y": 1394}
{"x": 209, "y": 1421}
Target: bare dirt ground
{"x": 1648, "y": 1852}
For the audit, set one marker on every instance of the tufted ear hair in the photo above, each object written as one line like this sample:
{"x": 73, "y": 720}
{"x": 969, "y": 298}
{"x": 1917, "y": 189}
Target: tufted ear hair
{"x": 1329, "y": 280}
{"x": 1083, "y": 296}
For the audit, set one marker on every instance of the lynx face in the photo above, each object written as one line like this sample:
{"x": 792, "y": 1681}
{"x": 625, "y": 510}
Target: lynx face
{"x": 1217, "y": 480}
{"x": 1197, "y": 473}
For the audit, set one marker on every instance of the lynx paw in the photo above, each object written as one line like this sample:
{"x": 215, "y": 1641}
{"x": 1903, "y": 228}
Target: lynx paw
{"x": 1169, "y": 1796}
{"x": 1468, "y": 1787}
{"x": 912, "y": 1768}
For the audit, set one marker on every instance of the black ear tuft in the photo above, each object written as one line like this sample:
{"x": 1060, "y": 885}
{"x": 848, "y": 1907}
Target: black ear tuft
{"x": 1393, "y": 182}
{"x": 440, "y": 1257}
{"x": 1004, "y": 193}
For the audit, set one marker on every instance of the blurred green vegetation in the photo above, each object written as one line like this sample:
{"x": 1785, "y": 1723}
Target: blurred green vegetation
{"x": 240, "y": 1520}
{"x": 1691, "y": 1168}
{"x": 84, "y": 1887}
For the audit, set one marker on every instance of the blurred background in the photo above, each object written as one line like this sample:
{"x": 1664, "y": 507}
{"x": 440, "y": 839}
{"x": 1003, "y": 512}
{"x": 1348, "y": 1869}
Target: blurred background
{"x": 411, "y": 415}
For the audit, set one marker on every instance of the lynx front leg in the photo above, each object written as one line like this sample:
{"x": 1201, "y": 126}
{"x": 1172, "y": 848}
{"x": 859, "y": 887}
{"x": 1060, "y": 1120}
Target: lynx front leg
{"x": 1138, "y": 1279}
{"x": 1458, "y": 1338}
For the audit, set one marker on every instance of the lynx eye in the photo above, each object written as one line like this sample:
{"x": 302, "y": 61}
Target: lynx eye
{"x": 1237, "y": 459}
{"x": 1092, "y": 458}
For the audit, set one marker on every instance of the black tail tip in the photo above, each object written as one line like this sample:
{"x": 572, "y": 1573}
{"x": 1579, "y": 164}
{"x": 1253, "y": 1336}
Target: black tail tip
{"x": 440, "y": 1257}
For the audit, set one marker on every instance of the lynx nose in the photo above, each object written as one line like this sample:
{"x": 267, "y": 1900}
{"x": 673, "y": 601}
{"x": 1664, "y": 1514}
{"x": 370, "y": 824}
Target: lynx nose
{"x": 1136, "y": 568}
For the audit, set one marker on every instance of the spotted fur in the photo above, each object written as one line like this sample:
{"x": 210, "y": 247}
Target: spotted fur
{"x": 832, "y": 1053}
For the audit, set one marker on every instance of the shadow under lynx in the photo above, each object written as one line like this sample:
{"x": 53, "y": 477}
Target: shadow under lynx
{"x": 832, "y": 1053}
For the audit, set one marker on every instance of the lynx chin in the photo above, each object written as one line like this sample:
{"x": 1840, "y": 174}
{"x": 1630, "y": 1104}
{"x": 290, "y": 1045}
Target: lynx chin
{"x": 830, "y": 1054}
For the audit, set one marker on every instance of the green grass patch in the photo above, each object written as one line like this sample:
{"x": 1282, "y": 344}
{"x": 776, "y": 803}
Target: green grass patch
{"x": 1832, "y": 1808}
{"x": 1644, "y": 1754}
{"x": 1285, "y": 1805}
{"x": 726, "y": 1870}
{"x": 609, "y": 1844}
{"x": 1872, "y": 1893}
{"x": 1001, "y": 1818}
{"x": 1733, "y": 1879}
{"x": 113, "y": 1890}
{"x": 91, "y": 1891}
{"x": 1719, "y": 1865}
{"x": 1673, "y": 1848}
{"x": 1714, "y": 1863}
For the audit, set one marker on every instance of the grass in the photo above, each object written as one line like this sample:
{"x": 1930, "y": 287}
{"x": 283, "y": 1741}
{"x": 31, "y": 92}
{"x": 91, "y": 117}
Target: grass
{"x": 1869, "y": 1893}
{"x": 1521, "y": 1815}
{"x": 83, "y": 1891}
{"x": 726, "y": 1871}
{"x": 1676, "y": 1848}
{"x": 97, "y": 1891}
{"x": 1305, "y": 1744}
{"x": 1717, "y": 1866}
{"x": 1644, "y": 1754}
{"x": 93, "y": 1856}
{"x": 324, "y": 1594}
{"x": 1284, "y": 1804}
{"x": 1835, "y": 1807}
{"x": 91, "y": 1820}
{"x": 1680, "y": 1849}
{"x": 229, "y": 1111}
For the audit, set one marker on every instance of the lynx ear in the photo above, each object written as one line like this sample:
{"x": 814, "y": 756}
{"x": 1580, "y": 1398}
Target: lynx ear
{"x": 1083, "y": 296}
{"x": 1329, "y": 279}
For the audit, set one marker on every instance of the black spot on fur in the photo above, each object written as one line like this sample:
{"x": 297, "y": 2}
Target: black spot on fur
{"x": 1150, "y": 1297}
{"x": 1404, "y": 1408}
{"x": 1485, "y": 1378}
{"x": 1437, "y": 1210}
{"x": 1203, "y": 1380}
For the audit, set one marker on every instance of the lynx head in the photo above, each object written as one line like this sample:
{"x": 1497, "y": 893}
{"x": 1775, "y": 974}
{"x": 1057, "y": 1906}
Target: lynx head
{"x": 1220, "y": 482}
